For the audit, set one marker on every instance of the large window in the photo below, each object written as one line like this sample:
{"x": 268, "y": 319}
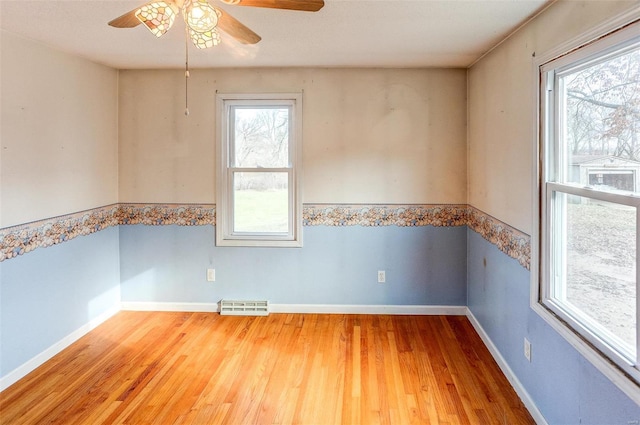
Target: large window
{"x": 590, "y": 110}
{"x": 258, "y": 200}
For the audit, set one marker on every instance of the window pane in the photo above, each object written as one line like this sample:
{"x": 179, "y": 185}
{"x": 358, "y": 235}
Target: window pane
{"x": 261, "y": 202}
{"x": 261, "y": 137}
{"x": 599, "y": 239}
{"x": 601, "y": 124}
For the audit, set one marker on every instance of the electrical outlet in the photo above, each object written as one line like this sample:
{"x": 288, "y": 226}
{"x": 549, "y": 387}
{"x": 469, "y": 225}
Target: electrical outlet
{"x": 382, "y": 278}
{"x": 211, "y": 275}
{"x": 527, "y": 349}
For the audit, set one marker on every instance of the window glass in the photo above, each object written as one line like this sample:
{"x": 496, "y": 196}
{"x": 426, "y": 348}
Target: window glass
{"x": 261, "y": 137}
{"x": 261, "y": 202}
{"x": 601, "y": 123}
{"x": 596, "y": 266}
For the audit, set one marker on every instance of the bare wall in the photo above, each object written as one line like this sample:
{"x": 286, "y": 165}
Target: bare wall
{"x": 59, "y": 133}
{"x": 370, "y": 135}
{"x": 502, "y": 107}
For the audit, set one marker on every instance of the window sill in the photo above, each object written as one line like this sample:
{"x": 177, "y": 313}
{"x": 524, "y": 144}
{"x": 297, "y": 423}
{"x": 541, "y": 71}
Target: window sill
{"x": 255, "y": 243}
{"x": 597, "y": 359}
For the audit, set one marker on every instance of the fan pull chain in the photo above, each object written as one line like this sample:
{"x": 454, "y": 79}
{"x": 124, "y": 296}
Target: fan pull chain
{"x": 186, "y": 72}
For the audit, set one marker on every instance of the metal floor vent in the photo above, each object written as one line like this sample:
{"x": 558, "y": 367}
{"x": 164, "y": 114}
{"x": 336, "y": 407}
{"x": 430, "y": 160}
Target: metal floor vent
{"x": 244, "y": 308}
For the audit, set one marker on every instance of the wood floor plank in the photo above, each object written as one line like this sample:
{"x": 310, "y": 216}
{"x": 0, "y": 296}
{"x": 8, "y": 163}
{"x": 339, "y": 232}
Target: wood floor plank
{"x": 203, "y": 368}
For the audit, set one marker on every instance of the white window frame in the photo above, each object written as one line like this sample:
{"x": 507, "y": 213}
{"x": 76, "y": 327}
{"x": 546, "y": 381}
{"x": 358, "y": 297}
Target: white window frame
{"x": 225, "y": 236}
{"x": 609, "y": 35}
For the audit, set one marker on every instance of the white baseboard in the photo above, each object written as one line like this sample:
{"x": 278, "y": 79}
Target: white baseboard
{"x": 167, "y": 306}
{"x": 30, "y": 365}
{"x": 504, "y": 366}
{"x": 425, "y": 310}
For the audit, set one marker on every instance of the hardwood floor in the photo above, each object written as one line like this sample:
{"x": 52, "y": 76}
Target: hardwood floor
{"x": 203, "y": 368}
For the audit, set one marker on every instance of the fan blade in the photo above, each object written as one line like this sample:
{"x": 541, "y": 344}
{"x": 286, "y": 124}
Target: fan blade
{"x": 128, "y": 20}
{"x": 236, "y": 29}
{"x": 302, "y": 5}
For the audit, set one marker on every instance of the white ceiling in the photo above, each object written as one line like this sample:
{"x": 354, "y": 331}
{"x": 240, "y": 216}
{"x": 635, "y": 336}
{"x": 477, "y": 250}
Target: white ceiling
{"x": 345, "y": 33}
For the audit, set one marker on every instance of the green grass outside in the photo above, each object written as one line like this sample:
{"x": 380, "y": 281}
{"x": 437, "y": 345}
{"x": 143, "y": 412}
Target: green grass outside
{"x": 261, "y": 211}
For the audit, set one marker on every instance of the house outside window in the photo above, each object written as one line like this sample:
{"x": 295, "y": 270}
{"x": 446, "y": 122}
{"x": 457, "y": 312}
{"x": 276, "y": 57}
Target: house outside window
{"x": 259, "y": 148}
{"x": 590, "y": 204}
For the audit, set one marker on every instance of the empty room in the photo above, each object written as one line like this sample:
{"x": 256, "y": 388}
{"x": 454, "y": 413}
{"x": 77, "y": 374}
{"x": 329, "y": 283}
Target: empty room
{"x": 315, "y": 212}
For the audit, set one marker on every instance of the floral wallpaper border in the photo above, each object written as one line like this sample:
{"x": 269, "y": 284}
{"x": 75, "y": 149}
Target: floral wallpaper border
{"x": 385, "y": 215}
{"x": 18, "y": 240}
{"x": 507, "y": 239}
{"x": 164, "y": 214}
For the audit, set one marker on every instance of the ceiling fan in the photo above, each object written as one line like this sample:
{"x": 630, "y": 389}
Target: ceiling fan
{"x": 203, "y": 20}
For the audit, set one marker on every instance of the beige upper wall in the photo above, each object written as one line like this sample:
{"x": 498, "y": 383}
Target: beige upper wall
{"x": 370, "y": 135}
{"x": 58, "y": 132}
{"x": 502, "y": 122}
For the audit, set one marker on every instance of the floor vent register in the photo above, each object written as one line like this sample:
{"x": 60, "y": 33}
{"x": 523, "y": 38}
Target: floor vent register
{"x": 244, "y": 308}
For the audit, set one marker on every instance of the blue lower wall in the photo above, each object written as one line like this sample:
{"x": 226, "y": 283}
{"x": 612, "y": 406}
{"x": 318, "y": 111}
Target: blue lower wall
{"x": 49, "y": 293}
{"x": 338, "y": 265}
{"x": 565, "y": 387}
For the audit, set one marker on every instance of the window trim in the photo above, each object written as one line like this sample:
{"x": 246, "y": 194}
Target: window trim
{"x": 584, "y": 41}
{"x": 225, "y": 236}
{"x": 576, "y": 317}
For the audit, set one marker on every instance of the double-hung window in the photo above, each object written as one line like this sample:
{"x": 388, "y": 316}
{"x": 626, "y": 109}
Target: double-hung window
{"x": 259, "y": 156}
{"x": 590, "y": 195}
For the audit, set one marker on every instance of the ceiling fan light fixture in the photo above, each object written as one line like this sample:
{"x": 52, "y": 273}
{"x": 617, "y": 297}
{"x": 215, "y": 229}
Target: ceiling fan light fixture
{"x": 158, "y": 16}
{"x": 205, "y": 40}
{"x": 200, "y": 16}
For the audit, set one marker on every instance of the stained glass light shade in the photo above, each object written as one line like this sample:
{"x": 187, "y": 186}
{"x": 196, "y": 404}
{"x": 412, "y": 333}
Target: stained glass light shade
{"x": 204, "y": 40}
{"x": 201, "y": 16}
{"x": 157, "y": 16}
